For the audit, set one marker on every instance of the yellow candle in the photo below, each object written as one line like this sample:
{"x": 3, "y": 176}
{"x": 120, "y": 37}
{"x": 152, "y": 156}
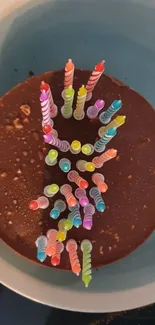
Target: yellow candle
{"x": 81, "y": 99}
{"x": 117, "y": 122}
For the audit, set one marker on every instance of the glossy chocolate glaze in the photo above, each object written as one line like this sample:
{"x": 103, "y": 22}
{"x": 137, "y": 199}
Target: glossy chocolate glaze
{"x": 129, "y": 217}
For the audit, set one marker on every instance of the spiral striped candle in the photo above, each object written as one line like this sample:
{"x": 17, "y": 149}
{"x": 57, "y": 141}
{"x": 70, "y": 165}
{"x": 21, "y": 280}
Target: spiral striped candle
{"x": 51, "y": 242}
{"x": 89, "y": 210}
{"x": 106, "y": 116}
{"x": 96, "y": 74}
{"x": 68, "y": 223}
{"x": 116, "y": 123}
{"x": 86, "y": 247}
{"x": 61, "y": 235}
{"x": 98, "y": 180}
{"x": 81, "y": 196}
{"x": 63, "y": 145}
{"x": 71, "y": 248}
{"x": 75, "y": 212}
{"x": 99, "y": 203}
{"x": 87, "y": 149}
{"x": 69, "y": 74}
{"x": 59, "y": 207}
{"x": 53, "y": 107}
{"x": 93, "y": 111}
{"x": 100, "y": 160}
{"x": 73, "y": 176}
{"x": 100, "y": 145}
{"x": 41, "y": 244}
{"x": 66, "y": 190}
{"x": 51, "y": 190}
{"x": 81, "y": 99}
{"x": 55, "y": 260}
{"x": 67, "y": 109}
{"x": 45, "y": 108}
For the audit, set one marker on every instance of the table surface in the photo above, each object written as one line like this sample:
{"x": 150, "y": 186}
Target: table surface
{"x": 29, "y": 312}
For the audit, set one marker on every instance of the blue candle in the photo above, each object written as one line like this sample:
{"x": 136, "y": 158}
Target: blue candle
{"x": 106, "y": 116}
{"x": 100, "y": 145}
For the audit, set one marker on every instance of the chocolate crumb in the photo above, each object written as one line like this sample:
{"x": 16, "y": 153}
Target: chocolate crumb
{"x": 17, "y": 124}
{"x": 130, "y": 177}
{"x": 25, "y": 109}
{"x": 3, "y": 174}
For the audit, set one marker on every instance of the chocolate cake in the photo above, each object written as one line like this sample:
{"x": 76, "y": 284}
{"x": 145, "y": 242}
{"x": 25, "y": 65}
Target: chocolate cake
{"x": 129, "y": 217}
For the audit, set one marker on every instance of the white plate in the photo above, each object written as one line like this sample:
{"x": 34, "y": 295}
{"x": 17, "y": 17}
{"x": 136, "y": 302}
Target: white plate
{"x": 121, "y": 32}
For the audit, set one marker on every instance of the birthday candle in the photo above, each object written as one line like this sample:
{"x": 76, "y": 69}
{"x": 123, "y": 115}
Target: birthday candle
{"x": 100, "y": 160}
{"x": 73, "y": 176}
{"x": 51, "y": 190}
{"x": 100, "y": 145}
{"x": 77, "y": 221}
{"x": 96, "y": 74}
{"x": 75, "y": 147}
{"x": 67, "y": 109}
{"x": 117, "y": 122}
{"x": 86, "y": 247}
{"x": 68, "y": 223}
{"x": 66, "y": 190}
{"x": 51, "y": 243}
{"x": 45, "y": 108}
{"x": 41, "y": 203}
{"x": 87, "y": 149}
{"x": 81, "y": 195}
{"x": 71, "y": 248}
{"x": 59, "y": 207}
{"x": 53, "y": 107}
{"x": 51, "y": 158}
{"x": 93, "y": 111}
{"x": 99, "y": 203}
{"x": 69, "y": 74}
{"x": 48, "y": 129}
{"x": 61, "y": 235}
{"x": 65, "y": 165}
{"x": 106, "y": 116}
{"x": 83, "y": 165}
{"x": 81, "y": 99}
{"x": 89, "y": 210}
{"x": 63, "y": 145}
{"x": 41, "y": 244}
{"x": 98, "y": 179}
{"x": 55, "y": 260}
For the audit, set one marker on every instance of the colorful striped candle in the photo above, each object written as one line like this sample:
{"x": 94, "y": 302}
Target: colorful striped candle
{"x": 86, "y": 247}
{"x": 81, "y": 99}
{"x": 100, "y": 145}
{"x": 45, "y": 108}
{"x": 96, "y": 74}
{"x": 53, "y": 107}
{"x": 67, "y": 109}
{"x": 100, "y": 160}
{"x": 106, "y": 116}
{"x": 116, "y": 123}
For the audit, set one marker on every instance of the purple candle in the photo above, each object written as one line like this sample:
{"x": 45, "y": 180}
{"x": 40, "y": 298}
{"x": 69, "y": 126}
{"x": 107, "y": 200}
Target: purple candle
{"x": 45, "y": 107}
{"x": 93, "y": 111}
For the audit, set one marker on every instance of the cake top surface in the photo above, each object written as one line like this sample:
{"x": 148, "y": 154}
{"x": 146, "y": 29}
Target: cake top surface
{"x": 129, "y": 216}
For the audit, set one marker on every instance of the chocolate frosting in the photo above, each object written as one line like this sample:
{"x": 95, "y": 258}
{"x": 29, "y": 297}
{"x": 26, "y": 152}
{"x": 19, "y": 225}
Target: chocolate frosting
{"x": 130, "y": 200}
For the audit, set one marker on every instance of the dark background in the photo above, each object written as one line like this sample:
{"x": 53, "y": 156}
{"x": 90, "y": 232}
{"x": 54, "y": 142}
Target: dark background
{"x": 17, "y": 310}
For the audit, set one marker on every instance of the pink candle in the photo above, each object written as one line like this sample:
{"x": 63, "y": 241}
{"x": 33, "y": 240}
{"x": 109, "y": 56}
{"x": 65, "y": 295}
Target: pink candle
{"x": 53, "y": 107}
{"x": 96, "y": 74}
{"x": 45, "y": 108}
{"x": 69, "y": 74}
